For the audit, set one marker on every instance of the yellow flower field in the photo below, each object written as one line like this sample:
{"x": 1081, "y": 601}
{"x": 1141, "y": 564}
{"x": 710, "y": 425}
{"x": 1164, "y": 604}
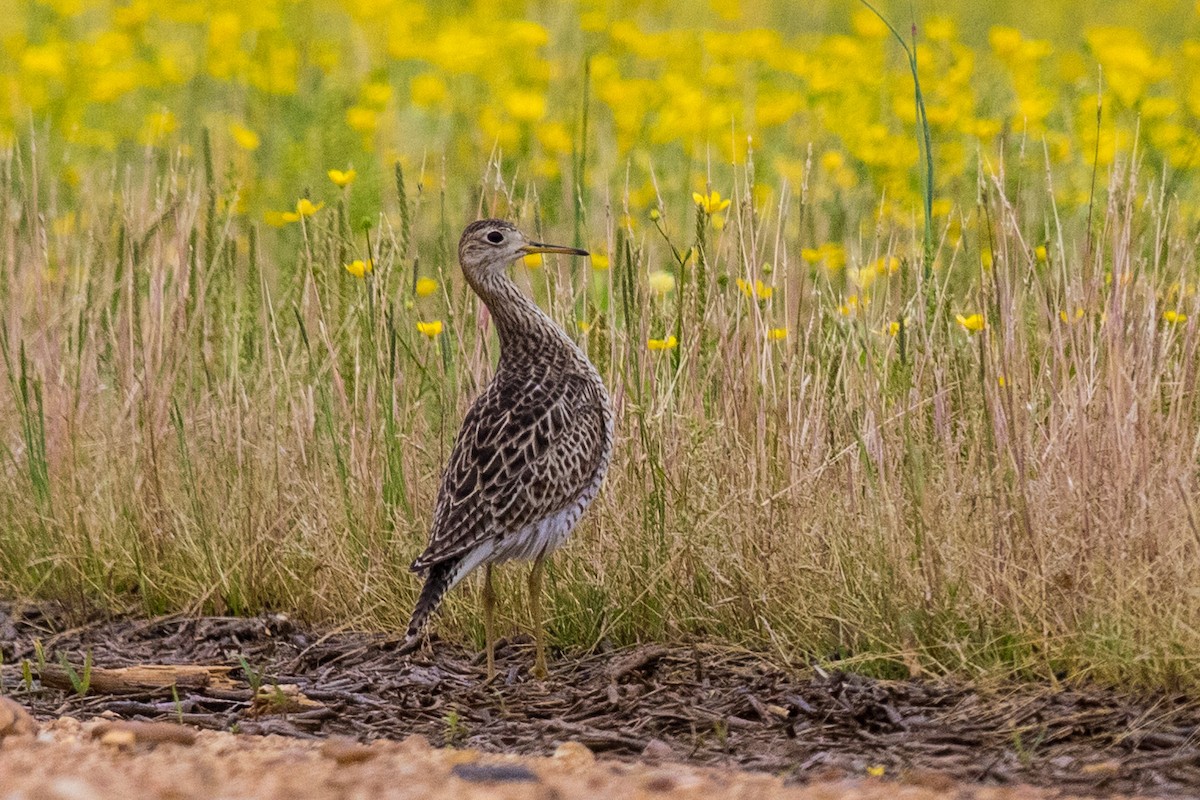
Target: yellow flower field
{"x": 288, "y": 91}
{"x": 236, "y": 342}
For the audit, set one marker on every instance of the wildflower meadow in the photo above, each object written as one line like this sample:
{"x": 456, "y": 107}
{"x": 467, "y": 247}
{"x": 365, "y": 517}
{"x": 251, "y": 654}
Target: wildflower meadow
{"x": 904, "y": 364}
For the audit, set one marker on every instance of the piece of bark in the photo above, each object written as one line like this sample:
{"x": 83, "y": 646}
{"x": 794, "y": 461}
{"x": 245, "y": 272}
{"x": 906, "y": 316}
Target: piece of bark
{"x": 139, "y": 678}
{"x": 283, "y": 698}
{"x": 634, "y": 661}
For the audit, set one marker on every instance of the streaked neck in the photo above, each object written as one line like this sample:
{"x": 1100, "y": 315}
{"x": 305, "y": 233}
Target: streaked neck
{"x": 520, "y": 323}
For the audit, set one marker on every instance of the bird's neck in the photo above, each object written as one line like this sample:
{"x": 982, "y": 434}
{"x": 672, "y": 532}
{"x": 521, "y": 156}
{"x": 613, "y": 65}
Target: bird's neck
{"x": 520, "y": 323}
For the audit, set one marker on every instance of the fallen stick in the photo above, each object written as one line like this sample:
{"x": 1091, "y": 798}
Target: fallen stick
{"x": 140, "y": 678}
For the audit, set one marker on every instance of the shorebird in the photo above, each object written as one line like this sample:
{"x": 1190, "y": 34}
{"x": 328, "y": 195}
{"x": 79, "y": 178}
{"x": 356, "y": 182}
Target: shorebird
{"x": 532, "y": 450}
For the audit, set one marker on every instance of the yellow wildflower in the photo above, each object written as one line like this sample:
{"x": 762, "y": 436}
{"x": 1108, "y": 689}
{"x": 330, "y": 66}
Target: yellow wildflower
{"x": 887, "y": 265}
{"x": 342, "y": 178}
{"x": 376, "y": 94}
{"x": 599, "y": 262}
{"x": 431, "y": 329}
{"x": 755, "y": 291}
{"x": 426, "y": 287}
{"x": 832, "y": 160}
{"x": 428, "y": 90}
{"x": 833, "y": 254}
{"x": 243, "y": 137}
{"x": 875, "y": 770}
{"x": 306, "y": 207}
{"x": 712, "y": 203}
{"x": 893, "y": 328}
{"x": 1005, "y": 41}
{"x": 1175, "y": 317}
{"x": 852, "y": 304}
{"x": 525, "y": 106}
{"x": 47, "y": 60}
{"x": 661, "y": 282}
{"x": 359, "y": 268}
{"x": 584, "y": 326}
{"x": 156, "y": 127}
{"x": 555, "y": 138}
{"x": 777, "y": 334}
{"x": 868, "y": 26}
{"x": 533, "y": 260}
{"x": 1040, "y": 252}
{"x": 1065, "y": 317}
{"x": 972, "y": 322}
{"x": 363, "y": 120}
{"x": 669, "y": 343}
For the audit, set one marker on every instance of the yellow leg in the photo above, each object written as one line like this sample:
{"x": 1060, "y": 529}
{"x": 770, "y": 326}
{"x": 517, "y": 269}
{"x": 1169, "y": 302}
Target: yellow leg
{"x": 535, "y": 607}
{"x": 489, "y": 623}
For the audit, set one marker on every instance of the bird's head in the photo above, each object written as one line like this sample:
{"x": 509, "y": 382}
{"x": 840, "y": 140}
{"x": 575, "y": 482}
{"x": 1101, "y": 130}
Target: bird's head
{"x": 490, "y": 245}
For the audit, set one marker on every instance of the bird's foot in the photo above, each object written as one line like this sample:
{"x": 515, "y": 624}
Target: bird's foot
{"x": 409, "y": 645}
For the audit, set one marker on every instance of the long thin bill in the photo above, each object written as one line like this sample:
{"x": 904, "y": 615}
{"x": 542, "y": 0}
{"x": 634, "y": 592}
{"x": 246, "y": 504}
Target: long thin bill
{"x": 539, "y": 247}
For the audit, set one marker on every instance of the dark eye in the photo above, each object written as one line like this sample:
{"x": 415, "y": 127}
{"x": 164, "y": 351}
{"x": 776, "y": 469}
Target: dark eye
{"x": 495, "y": 237}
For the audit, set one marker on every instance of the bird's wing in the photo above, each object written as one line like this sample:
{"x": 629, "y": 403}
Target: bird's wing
{"x": 524, "y": 452}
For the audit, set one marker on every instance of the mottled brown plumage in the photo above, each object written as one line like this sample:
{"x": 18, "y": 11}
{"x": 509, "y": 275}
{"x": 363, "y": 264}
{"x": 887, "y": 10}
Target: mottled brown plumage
{"x": 533, "y": 449}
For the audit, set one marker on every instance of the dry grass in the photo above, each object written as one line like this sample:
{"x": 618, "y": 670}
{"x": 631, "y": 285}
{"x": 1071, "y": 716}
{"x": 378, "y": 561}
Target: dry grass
{"x": 199, "y": 415}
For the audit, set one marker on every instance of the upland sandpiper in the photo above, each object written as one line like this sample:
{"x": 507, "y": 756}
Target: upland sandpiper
{"x": 532, "y": 451}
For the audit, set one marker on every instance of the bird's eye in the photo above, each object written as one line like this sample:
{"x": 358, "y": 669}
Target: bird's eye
{"x": 495, "y": 237}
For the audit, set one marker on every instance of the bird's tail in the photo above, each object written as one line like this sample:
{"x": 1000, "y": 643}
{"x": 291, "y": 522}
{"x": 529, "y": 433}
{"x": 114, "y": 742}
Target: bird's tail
{"x": 440, "y": 579}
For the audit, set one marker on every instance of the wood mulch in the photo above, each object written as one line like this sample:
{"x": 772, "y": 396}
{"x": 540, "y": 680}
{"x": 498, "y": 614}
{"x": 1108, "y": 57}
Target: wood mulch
{"x": 699, "y": 704}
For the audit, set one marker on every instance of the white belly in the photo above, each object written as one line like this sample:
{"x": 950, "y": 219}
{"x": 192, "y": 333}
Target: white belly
{"x": 546, "y": 535}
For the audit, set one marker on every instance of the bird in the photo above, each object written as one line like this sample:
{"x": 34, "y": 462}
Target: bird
{"x": 532, "y": 451}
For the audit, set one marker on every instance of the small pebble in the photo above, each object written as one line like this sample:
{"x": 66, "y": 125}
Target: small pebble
{"x": 117, "y": 737}
{"x": 416, "y": 743}
{"x": 657, "y": 750}
{"x": 70, "y": 789}
{"x": 15, "y": 720}
{"x": 659, "y": 783}
{"x": 494, "y": 773}
{"x": 574, "y": 754}
{"x": 345, "y": 750}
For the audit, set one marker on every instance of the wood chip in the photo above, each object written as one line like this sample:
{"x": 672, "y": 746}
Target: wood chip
{"x": 634, "y": 661}
{"x": 345, "y": 750}
{"x": 1108, "y": 767}
{"x": 284, "y": 698}
{"x": 123, "y": 733}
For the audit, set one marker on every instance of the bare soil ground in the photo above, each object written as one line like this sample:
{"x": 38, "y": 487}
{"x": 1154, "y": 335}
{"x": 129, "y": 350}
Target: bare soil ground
{"x": 686, "y": 709}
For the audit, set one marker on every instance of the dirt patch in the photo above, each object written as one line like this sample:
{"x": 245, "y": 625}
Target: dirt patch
{"x": 73, "y": 761}
{"x": 697, "y": 705}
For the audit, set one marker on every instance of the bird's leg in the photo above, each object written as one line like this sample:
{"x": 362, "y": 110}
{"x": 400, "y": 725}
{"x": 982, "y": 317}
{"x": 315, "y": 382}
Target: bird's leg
{"x": 489, "y": 627}
{"x": 535, "y": 608}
